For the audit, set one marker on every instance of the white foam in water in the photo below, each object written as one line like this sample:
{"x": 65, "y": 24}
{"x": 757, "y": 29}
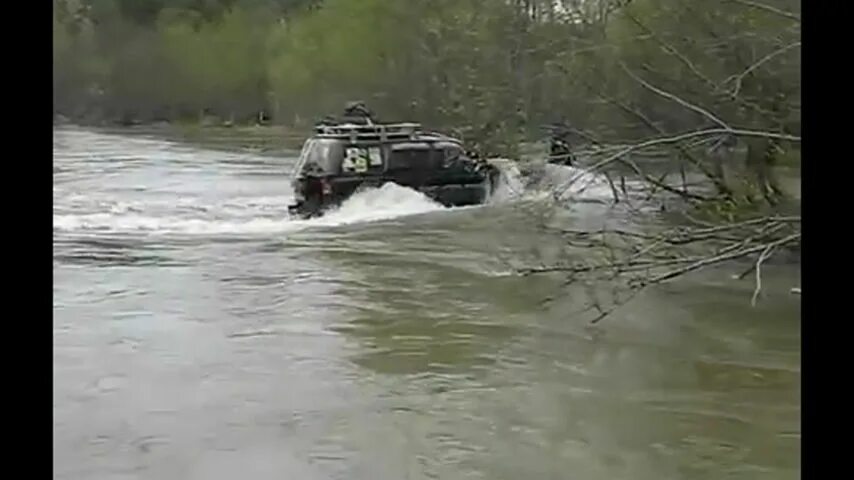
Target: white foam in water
{"x": 193, "y": 211}
{"x": 568, "y": 182}
{"x": 185, "y": 205}
{"x": 383, "y": 203}
{"x": 387, "y": 202}
{"x": 101, "y": 222}
{"x": 572, "y": 182}
{"x": 511, "y": 185}
{"x": 268, "y": 215}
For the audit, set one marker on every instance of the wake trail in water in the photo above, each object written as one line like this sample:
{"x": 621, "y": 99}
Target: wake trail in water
{"x": 246, "y": 216}
{"x": 268, "y": 214}
{"x": 175, "y": 189}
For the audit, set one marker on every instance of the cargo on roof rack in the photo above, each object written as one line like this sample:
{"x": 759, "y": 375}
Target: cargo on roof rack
{"x": 382, "y": 131}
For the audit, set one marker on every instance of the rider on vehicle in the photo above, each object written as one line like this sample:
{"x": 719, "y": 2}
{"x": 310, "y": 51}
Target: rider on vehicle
{"x": 560, "y": 151}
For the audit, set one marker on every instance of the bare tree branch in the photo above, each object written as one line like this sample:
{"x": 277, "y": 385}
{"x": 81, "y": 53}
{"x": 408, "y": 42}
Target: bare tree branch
{"x": 759, "y": 63}
{"x": 649, "y": 123}
{"x": 670, "y": 49}
{"x": 765, "y": 254}
{"x": 719, "y": 259}
{"x": 676, "y": 139}
{"x": 607, "y": 312}
{"x": 684, "y": 193}
{"x": 647, "y": 259}
{"x": 767, "y": 8}
{"x": 676, "y": 99}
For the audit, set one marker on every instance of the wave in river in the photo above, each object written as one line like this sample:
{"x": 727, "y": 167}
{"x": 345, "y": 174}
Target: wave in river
{"x": 211, "y": 193}
{"x": 245, "y": 216}
{"x": 547, "y": 181}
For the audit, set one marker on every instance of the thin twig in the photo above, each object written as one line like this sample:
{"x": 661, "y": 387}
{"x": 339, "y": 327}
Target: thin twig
{"x": 652, "y": 126}
{"x": 611, "y": 310}
{"x": 740, "y": 78}
{"x": 684, "y": 193}
{"x": 765, "y": 254}
{"x": 764, "y": 232}
{"x": 676, "y": 99}
{"x": 768, "y": 8}
{"x": 670, "y": 49}
{"x": 719, "y": 258}
{"x": 676, "y": 139}
{"x": 613, "y": 188}
{"x": 747, "y": 223}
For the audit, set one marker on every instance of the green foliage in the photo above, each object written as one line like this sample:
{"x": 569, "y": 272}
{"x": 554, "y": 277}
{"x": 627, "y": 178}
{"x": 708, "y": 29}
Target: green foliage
{"x": 490, "y": 70}
{"x": 319, "y": 59}
{"x": 79, "y": 72}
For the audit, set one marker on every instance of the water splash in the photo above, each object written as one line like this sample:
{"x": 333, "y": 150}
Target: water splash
{"x": 383, "y": 203}
{"x": 243, "y": 216}
{"x": 199, "y": 192}
{"x": 546, "y": 181}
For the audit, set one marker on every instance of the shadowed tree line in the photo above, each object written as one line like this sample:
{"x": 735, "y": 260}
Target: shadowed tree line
{"x": 497, "y": 65}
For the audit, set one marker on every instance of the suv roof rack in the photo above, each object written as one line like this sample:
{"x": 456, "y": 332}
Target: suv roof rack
{"x": 382, "y": 131}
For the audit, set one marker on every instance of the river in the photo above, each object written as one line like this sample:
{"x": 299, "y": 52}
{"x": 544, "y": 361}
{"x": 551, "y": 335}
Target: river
{"x": 201, "y": 334}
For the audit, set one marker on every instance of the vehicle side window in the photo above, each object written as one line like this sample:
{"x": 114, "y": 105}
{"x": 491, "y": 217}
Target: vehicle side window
{"x": 318, "y": 153}
{"x": 304, "y": 154}
{"x": 413, "y": 159}
{"x": 451, "y": 155}
{"x": 326, "y": 155}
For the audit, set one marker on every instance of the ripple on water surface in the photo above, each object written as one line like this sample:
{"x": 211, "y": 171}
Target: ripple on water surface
{"x": 201, "y": 333}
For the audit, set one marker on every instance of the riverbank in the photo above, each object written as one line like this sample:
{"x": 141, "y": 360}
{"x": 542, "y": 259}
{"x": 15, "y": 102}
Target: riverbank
{"x": 248, "y": 137}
